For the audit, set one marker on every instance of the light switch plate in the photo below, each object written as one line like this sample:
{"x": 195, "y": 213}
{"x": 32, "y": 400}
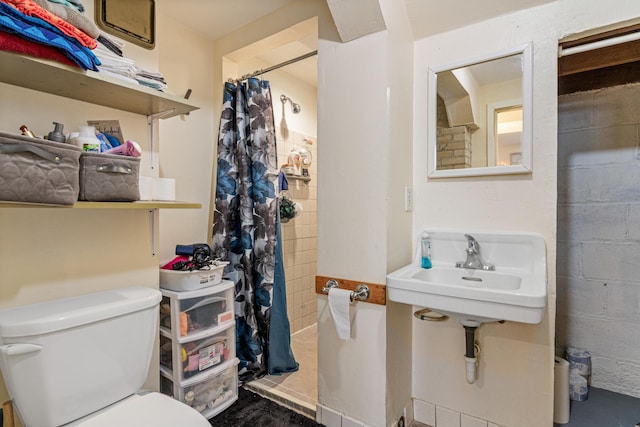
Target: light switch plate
{"x": 408, "y": 199}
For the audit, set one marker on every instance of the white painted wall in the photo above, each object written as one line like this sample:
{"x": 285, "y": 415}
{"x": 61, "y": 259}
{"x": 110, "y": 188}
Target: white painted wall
{"x": 186, "y": 143}
{"x": 515, "y": 387}
{"x": 400, "y": 98}
{"x": 364, "y": 125}
{"x": 353, "y": 128}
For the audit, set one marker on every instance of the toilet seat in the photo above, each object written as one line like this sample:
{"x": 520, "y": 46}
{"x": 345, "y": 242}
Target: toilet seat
{"x": 152, "y": 410}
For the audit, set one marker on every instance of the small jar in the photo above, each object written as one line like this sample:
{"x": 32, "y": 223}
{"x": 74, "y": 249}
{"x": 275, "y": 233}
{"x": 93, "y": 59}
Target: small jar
{"x": 287, "y": 169}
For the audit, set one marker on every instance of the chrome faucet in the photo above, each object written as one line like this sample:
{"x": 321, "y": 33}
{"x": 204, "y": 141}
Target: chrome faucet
{"x": 474, "y": 260}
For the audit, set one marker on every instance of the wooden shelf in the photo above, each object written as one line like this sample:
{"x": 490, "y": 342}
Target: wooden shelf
{"x": 89, "y": 86}
{"x": 151, "y": 204}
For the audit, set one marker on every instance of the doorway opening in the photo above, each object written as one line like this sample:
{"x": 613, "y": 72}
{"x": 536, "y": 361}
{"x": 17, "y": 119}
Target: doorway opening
{"x": 598, "y": 285}
{"x": 294, "y": 98}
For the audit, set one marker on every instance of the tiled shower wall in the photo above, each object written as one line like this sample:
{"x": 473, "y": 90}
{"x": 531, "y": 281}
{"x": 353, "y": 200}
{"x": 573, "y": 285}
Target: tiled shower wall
{"x": 598, "y": 267}
{"x": 300, "y": 235}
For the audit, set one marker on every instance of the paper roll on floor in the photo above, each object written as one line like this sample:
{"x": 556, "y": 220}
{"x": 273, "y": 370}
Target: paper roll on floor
{"x": 579, "y": 362}
{"x": 339, "y": 301}
{"x": 578, "y": 389}
{"x": 561, "y": 404}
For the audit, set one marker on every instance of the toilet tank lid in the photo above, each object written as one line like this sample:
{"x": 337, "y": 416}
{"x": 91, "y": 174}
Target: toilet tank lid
{"x": 60, "y": 314}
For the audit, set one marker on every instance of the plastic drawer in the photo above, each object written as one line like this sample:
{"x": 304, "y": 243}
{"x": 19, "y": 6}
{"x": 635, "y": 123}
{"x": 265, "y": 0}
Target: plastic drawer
{"x": 210, "y": 395}
{"x": 197, "y": 356}
{"x": 195, "y": 312}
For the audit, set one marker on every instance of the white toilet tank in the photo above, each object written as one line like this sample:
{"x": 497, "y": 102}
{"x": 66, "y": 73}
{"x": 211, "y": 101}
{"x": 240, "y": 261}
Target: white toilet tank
{"x": 66, "y": 358}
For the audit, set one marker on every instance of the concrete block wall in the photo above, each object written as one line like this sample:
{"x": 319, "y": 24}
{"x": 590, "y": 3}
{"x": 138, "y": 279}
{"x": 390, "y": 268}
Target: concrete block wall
{"x": 299, "y": 236}
{"x": 598, "y": 259}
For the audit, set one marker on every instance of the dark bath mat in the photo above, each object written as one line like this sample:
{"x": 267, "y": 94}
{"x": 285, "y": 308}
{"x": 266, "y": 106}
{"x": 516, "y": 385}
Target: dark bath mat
{"x": 252, "y": 410}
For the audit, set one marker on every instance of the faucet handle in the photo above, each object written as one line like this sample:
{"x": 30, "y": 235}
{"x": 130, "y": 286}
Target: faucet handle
{"x": 473, "y": 243}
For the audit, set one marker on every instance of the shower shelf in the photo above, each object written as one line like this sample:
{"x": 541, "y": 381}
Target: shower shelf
{"x": 298, "y": 177}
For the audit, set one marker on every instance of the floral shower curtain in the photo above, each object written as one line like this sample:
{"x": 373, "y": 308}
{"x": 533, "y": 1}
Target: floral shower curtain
{"x": 246, "y": 229}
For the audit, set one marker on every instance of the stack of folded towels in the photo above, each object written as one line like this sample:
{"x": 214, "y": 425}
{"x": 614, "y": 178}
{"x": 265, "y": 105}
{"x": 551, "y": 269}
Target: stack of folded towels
{"x": 59, "y": 30}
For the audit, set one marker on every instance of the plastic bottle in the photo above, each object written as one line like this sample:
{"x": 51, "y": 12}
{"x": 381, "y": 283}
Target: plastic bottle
{"x": 87, "y": 139}
{"x": 56, "y": 134}
{"x": 425, "y": 245}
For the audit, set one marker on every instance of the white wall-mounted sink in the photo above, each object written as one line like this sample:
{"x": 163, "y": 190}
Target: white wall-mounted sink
{"x": 515, "y": 291}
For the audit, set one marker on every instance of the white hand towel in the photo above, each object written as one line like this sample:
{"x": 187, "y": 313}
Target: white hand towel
{"x": 339, "y": 300}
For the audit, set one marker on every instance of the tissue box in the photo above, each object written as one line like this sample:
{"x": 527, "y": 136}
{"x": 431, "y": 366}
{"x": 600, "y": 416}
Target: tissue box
{"x": 38, "y": 171}
{"x": 109, "y": 177}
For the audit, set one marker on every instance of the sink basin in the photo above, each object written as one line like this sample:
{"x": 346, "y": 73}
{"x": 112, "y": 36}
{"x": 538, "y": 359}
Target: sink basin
{"x": 475, "y": 279}
{"x": 515, "y": 291}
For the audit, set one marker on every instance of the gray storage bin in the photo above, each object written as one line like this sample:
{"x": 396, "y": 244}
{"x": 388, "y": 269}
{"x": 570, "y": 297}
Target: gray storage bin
{"x": 109, "y": 177}
{"x": 38, "y": 171}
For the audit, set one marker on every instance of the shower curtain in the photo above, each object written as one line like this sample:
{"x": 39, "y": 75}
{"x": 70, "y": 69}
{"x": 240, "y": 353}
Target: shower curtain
{"x": 246, "y": 229}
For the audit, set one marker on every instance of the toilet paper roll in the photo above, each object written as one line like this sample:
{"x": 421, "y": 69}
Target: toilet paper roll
{"x": 339, "y": 300}
{"x": 146, "y": 187}
{"x": 561, "y": 403}
{"x": 579, "y": 361}
{"x": 578, "y": 389}
{"x": 164, "y": 189}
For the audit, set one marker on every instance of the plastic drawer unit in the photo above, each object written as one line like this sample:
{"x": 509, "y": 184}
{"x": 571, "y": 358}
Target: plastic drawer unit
{"x": 209, "y": 396}
{"x": 195, "y": 357}
{"x": 198, "y": 362}
{"x": 192, "y": 314}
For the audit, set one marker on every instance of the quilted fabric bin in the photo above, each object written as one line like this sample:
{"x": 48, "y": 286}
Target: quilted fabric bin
{"x": 109, "y": 177}
{"x": 38, "y": 171}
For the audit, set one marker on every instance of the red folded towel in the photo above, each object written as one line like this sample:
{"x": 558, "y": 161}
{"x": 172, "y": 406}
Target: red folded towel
{"x": 13, "y": 43}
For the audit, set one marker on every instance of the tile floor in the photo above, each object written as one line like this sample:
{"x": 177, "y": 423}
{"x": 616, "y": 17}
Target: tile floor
{"x": 297, "y": 390}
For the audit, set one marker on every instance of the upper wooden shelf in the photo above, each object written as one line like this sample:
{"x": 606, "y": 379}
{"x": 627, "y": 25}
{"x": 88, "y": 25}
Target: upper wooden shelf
{"x": 89, "y": 86}
{"x": 151, "y": 204}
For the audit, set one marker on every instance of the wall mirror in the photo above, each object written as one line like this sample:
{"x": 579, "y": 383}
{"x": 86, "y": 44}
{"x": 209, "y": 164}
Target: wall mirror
{"x": 480, "y": 115}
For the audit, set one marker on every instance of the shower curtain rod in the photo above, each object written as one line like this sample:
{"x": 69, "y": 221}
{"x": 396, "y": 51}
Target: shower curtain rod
{"x": 274, "y": 67}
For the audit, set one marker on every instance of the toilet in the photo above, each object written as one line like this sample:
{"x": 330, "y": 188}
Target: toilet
{"x": 81, "y": 362}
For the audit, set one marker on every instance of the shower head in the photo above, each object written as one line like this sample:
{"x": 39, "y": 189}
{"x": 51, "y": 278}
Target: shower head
{"x": 295, "y": 107}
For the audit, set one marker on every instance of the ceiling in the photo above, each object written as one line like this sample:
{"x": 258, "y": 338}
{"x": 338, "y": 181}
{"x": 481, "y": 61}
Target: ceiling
{"x": 216, "y": 18}
{"x": 429, "y": 17}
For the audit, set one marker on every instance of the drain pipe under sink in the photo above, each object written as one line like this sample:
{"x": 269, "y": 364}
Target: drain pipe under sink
{"x": 472, "y": 350}
{"x": 470, "y": 356}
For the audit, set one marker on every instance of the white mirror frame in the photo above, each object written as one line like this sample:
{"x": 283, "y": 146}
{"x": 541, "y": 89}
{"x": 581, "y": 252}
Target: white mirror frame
{"x": 527, "y": 105}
